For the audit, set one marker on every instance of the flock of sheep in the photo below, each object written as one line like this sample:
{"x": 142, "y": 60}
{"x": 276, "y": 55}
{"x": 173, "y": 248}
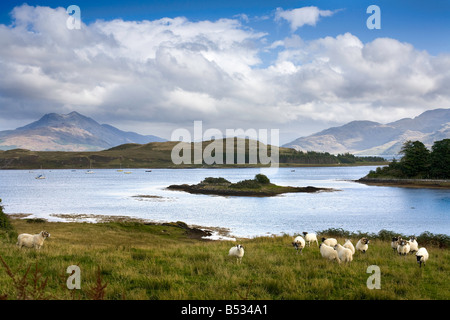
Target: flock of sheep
{"x": 330, "y": 249}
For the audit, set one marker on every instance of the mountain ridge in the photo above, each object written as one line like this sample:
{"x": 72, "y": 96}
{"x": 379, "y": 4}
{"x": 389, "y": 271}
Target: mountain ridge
{"x": 69, "y": 132}
{"x": 365, "y": 137}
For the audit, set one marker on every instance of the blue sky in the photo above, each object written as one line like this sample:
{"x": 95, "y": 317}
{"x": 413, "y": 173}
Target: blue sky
{"x": 425, "y": 24}
{"x": 228, "y": 63}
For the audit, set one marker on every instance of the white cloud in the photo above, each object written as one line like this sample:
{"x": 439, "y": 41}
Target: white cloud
{"x": 170, "y": 72}
{"x": 302, "y": 16}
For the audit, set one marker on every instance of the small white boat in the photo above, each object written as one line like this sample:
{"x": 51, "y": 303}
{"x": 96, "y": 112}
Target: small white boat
{"x": 89, "y": 172}
{"x": 41, "y": 176}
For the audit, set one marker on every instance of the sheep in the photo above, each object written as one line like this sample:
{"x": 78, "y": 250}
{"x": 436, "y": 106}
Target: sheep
{"x": 30, "y": 241}
{"x": 310, "y": 237}
{"x": 414, "y": 246}
{"x": 344, "y": 254}
{"x": 362, "y": 245}
{"x": 237, "y": 251}
{"x": 328, "y": 252}
{"x": 403, "y": 247}
{"x": 330, "y": 242}
{"x": 394, "y": 243}
{"x": 422, "y": 256}
{"x": 349, "y": 245}
{"x": 299, "y": 243}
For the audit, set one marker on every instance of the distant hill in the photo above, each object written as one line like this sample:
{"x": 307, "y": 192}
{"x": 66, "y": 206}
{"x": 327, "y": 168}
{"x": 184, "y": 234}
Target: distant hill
{"x": 69, "y": 132}
{"x": 159, "y": 155}
{"x": 373, "y": 138}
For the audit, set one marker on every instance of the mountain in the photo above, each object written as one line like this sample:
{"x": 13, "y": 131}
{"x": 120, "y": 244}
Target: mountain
{"x": 69, "y": 132}
{"x": 373, "y": 138}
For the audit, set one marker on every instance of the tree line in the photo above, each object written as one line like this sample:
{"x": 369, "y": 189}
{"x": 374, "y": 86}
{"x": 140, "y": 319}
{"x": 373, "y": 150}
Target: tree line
{"x": 418, "y": 162}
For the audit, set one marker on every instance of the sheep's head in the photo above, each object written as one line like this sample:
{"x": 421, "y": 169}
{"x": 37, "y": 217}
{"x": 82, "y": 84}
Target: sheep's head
{"x": 323, "y": 239}
{"x": 394, "y": 239}
{"x": 365, "y": 240}
{"x": 240, "y": 247}
{"x": 305, "y": 233}
{"x": 45, "y": 234}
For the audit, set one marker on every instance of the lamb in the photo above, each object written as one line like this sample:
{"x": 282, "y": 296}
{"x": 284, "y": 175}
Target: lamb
{"x": 422, "y": 256}
{"x": 237, "y": 251}
{"x": 344, "y": 254}
{"x": 414, "y": 246}
{"x": 310, "y": 237}
{"x": 362, "y": 245}
{"x": 349, "y": 245}
{"x": 330, "y": 242}
{"x": 403, "y": 247}
{"x": 394, "y": 243}
{"x": 30, "y": 241}
{"x": 328, "y": 252}
{"x": 299, "y": 243}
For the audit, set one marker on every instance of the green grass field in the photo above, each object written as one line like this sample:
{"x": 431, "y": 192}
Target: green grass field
{"x": 137, "y": 262}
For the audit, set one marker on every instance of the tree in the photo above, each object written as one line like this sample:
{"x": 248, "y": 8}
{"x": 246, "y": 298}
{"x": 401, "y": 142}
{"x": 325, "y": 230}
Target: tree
{"x": 415, "y": 160}
{"x": 440, "y": 159}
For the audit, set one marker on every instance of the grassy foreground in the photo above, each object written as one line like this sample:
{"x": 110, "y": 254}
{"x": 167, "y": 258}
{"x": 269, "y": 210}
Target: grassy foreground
{"x": 134, "y": 261}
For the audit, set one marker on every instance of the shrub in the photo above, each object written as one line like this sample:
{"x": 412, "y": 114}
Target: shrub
{"x": 6, "y": 229}
{"x": 246, "y": 184}
{"x": 211, "y": 180}
{"x": 262, "y": 179}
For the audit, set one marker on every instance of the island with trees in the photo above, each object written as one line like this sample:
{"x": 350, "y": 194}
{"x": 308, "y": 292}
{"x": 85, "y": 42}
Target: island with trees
{"x": 418, "y": 167}
{"x": 260, "y": 186}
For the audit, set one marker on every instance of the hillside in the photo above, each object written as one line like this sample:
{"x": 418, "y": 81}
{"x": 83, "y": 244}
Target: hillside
{"x": 69, "y": 132}
{"x": 152, "y": 155}
{"x": 373, "y": 138}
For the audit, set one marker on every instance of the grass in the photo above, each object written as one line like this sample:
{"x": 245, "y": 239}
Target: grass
{"x": 133, "y": 261}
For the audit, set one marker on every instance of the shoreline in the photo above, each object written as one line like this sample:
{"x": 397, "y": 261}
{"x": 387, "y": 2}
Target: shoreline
{"x": 406, "y": 183}
{"x": 193, "y": 231}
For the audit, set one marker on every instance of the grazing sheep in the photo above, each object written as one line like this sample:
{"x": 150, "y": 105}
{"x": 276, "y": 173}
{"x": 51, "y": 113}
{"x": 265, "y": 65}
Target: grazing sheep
{"x": 32, "y": 240}
{"x": 237, "y": 251}
{"x": 413, "y": 245}
{"x": 330, "y": 242}
{"x": 422, "y": 256}
{"x": 310, "y": 237}
{"x": 328, "y": 252}
{"x": 299, "y": 243}
{"x": 362, "y": 245}
{"x": 344, "y": 254}
{"x": 403, "y": 247}
{"x": 394, "y": 243}
{"x": 349, "y": 245}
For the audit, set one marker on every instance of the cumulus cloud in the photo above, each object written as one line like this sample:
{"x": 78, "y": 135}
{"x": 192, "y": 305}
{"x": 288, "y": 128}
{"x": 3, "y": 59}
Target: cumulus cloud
{"x": 302, "y": 16}
{"x": 169, "y": 72}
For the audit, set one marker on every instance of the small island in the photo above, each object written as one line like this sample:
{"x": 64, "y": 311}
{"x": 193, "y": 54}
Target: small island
{"x": 260, "y": 186}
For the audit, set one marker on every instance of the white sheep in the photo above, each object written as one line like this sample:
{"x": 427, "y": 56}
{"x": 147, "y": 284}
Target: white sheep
{"x": 362, "y": 245}
{"x": 422, "y": 256}
{"x": 299, "y": 243}
{"x": 403, "y": 247}
{"x": 413, "y": 245}
{"x": 237, "y": 251}
{"x": 349, "y": 245}
{"x": 310, "y": 237}
{"x": 394, "y": 243}
{"x": 328, "y": 252}
{"x": 32, "y": 240}
{"x": 344, "y": 254}
{"x": 330, "y": 241}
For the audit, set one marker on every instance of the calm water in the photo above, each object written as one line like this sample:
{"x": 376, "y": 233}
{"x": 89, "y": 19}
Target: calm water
{"x": 108, "y": 192}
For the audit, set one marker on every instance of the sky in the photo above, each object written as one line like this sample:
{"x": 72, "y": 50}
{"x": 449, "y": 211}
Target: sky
{"x": 156, "y": 66}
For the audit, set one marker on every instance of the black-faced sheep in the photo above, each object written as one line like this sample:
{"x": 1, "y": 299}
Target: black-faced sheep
{"x": 32, "y": 240}
{"x": 310, "y": 237}
{"x": 237, "y": 251}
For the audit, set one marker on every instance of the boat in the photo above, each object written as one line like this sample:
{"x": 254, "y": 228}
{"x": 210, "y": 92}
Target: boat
{"x": 89, "y": 172}
{"x": 41, "y": 176}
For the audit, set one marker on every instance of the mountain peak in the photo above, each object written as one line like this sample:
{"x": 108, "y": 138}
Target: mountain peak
{"x": 69, "y": 132}
{"x": 373, "y": 138}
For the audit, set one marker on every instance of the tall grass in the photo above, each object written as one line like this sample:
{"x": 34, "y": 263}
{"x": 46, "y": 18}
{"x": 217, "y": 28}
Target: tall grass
{"x": 136, "y": 262}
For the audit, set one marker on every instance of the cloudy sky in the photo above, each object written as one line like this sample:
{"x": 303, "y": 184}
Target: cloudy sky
{"x": 155, "y": 66}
